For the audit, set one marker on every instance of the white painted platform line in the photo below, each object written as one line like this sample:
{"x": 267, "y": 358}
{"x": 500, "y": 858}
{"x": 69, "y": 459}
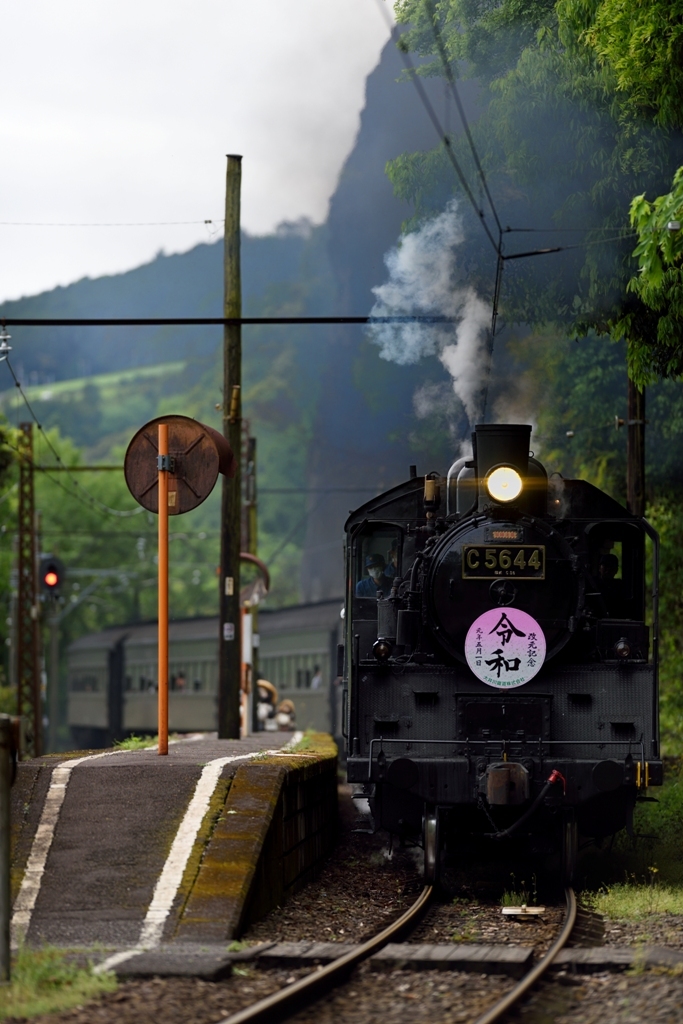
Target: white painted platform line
{"x": 179, "y": 854}
{"x": 176, "y": 862}
{"x": 42, "y": 841}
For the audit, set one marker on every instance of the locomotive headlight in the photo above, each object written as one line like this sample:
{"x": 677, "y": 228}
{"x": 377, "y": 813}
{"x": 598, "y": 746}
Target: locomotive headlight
{"x": 504, "y": 484}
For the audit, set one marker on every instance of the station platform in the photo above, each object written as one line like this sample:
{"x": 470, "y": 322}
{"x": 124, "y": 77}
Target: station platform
{"x": 123, "y": 850}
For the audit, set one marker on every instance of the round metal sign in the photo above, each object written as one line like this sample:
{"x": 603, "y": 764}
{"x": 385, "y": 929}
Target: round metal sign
{"x": 197, "y": 455}
{"x": 505, "y": 647}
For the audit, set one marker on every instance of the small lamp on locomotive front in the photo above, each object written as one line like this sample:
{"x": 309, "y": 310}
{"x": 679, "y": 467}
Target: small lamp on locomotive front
{"x": 504, "y": 484}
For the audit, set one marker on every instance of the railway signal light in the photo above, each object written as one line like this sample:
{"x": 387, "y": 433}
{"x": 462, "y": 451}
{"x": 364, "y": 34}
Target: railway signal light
{"x": 51, "y": 575}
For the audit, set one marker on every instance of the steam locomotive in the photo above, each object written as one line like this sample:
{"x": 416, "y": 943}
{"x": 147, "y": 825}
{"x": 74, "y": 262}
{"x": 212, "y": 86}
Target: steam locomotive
{"x": 500, "y": 677}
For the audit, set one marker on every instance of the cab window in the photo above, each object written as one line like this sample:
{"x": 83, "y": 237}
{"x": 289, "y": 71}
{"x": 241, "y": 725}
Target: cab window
{"x": 616, "y": 558}
{"x": 377, "y": 561}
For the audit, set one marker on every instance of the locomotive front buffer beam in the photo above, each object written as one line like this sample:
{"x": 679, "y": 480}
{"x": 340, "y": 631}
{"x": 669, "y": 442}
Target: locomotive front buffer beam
{"x": 602, "y": 791}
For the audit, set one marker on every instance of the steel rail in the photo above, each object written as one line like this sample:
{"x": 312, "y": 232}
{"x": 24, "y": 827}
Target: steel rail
{"x": 521, "y": 988}
{"x": 281, "y": 1004}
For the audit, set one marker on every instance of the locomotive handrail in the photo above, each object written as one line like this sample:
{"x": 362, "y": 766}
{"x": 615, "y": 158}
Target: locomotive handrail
{"x": 654, "y": 537}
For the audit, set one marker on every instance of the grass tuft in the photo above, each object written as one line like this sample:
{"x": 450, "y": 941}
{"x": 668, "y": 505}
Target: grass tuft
{"x": 46, "y": 981}
{"x": 633, "y": 901}
{"x": 305, "y": 741}
{"x": 632, "y": 880}
{"x": 520, "y": 897}
{"x": 136, "y": 742}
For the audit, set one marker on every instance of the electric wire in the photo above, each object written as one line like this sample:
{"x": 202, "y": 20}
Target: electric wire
{"x": 94, "y": 502}
{"x": 433, "y": 117}
{"x": 6, "y": 495}
{"x": 292, "y": 533}
{"x": 547, "y": 231}
{"x": 501, "y": 257}
{"x": 29, "y": 462}
{"x": 106, "y": 224}
{"x": 85, "y": 499}
{"x": 450, "y": 78}
{"x": 214, "y": 321}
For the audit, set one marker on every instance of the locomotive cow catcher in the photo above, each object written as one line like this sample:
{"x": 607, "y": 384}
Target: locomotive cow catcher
{"x": 500, "y": 676}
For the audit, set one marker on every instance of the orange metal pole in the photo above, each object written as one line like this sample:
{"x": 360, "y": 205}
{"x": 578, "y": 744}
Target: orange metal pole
{"x": 163, "y": 593}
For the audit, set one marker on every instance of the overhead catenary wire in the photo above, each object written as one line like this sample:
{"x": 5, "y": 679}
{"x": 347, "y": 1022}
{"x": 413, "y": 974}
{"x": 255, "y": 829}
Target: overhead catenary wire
{"x": 450, "y": 78}
{"x": 7, "y": 493}
{"x": 292, "y": 533}
{"x": 433, "y": 117}
{"x": 29, "y": 462}
{"x": 218, "y": 220}
{"x": 87, "y": 497}
{"x": 501, "y": 257}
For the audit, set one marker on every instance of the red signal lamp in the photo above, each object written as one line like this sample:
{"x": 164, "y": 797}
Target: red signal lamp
{"x": 51, "y": 575}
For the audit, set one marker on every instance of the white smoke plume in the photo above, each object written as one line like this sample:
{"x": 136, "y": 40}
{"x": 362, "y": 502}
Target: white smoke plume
{"x": 433, "y": 398}
{"x": 423, "y": 282}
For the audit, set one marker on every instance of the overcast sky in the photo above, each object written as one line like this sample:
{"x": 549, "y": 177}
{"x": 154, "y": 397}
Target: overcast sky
{"x": 124, "y": 111}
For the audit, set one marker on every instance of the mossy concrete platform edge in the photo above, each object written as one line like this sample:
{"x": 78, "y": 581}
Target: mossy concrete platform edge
{"x": 278, "y": 824}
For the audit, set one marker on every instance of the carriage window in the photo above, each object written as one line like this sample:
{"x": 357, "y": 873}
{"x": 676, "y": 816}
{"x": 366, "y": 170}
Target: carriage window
{"x": 85, "y": 684}
{"x": 378, "y": 561}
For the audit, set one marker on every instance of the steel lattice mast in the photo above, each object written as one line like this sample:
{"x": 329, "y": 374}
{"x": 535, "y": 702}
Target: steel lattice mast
{"x": 28, "y": 675}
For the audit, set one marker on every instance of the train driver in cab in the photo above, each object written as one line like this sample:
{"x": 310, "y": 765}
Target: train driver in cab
{"x": 611, "y": 588}
{"x": 376, "y": 578}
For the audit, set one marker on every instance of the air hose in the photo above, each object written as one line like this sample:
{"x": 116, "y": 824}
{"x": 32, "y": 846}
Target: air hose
{"x": 551, "y": 781}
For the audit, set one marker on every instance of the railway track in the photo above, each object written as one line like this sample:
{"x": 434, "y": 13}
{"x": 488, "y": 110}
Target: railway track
{"x": 286, "y": 1001}
{"x": 281, "y": 1004}
{"x": 496, "y": 1011}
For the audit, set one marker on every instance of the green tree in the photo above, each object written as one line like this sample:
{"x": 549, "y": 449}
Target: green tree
{"x": 658, "y": 284}
{"x": 642, "y": 45}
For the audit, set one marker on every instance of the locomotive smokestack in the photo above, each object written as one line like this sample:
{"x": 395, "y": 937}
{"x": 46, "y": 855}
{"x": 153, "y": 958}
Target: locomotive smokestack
{"x": 499, "y": 444}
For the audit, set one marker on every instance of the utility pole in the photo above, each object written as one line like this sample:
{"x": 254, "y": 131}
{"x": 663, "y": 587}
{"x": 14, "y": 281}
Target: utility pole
{"x": 635, "y": 451}
{"x": 230, "y": 636}
{"x": 28, "y": 676}
{"x": 250, "y": 544}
